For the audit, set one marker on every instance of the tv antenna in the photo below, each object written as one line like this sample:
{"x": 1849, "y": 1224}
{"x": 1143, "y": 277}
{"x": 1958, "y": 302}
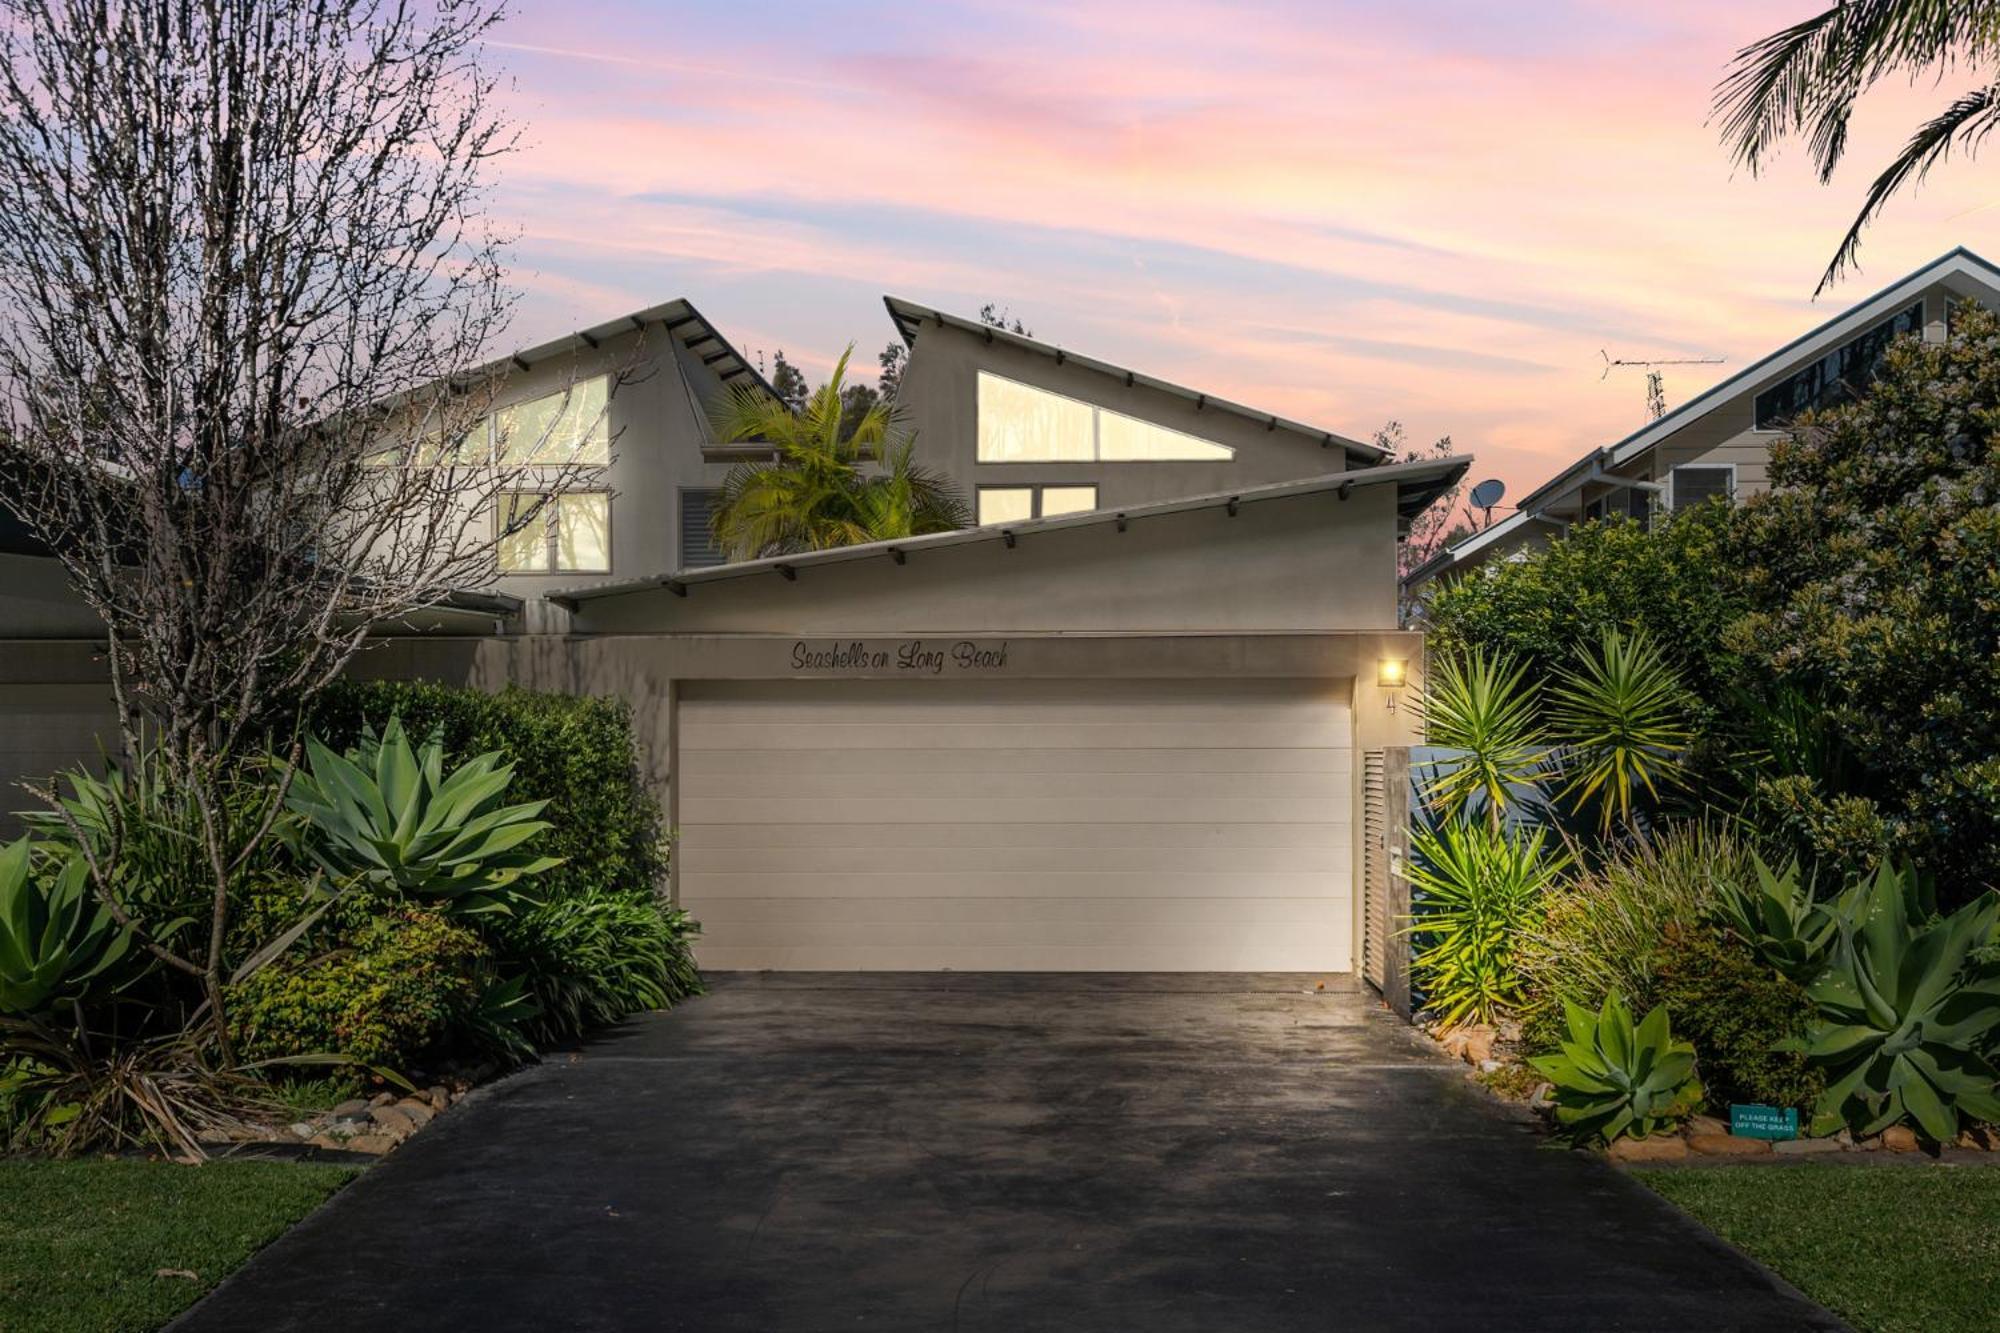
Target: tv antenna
{"x": 1656, "y": 390}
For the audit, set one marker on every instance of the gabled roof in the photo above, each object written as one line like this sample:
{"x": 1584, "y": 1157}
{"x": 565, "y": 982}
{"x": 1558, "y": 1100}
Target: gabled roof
{"x": 1417, "y": 484}
{"x": 911, "y": 317}
{"x": 1959, "y": 262}
{"x": 677, "y": 317}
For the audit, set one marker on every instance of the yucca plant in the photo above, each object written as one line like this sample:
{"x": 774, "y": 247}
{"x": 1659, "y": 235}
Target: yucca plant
{"x": 1909, "y": 1010}
{"x": 1776, "y": 914}
{"x": 389, "y": 814}
{"x": 1614, "y": 1079}
{"x": 1477, "y": 889}
{"x": 1621, "y": 718}
{"x": 1484, "y": 704}
{"x": 57, "y": 941}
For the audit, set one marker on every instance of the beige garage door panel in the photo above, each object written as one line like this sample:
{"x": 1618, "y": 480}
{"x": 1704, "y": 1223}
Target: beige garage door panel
{"x": 45, "y": 729}
{"x": 1019, "y": 825}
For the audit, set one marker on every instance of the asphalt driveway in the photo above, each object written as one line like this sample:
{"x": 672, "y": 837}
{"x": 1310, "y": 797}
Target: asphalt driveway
{"x": 997, "y": 1153}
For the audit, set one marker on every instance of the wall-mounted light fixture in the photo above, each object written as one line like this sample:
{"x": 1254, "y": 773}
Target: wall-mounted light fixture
{"x": 1392, "y": 673}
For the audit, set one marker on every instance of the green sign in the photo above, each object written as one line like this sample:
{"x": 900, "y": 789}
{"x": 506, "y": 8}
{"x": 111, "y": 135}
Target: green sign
{"x": 1764, "y": 1122}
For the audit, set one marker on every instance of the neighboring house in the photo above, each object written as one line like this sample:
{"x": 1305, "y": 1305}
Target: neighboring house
{"x": 1717, "y": 445}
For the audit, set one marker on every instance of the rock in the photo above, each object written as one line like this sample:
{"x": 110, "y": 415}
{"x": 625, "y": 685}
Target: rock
{"x": 1727, "y": 1145}
{"x": 1660, "y": 1148}
{"x": 1844, "y": 1137}
{"x": 302, "y": 1130}
{"x": 383, "y": 1099}
{"x": 1453, "y": 1043}
{"x": 1543, "y": 1095}
{"x": 1980, "y": 1138}
{"x": 419, "y": 1112}
{"x": 1706, "y": 1124}
{"x": 213, "y": 1136}
{"x": 372, "y": 1143}
{"x": 393, "y": 1121}
{"x": 1479, "y": 1044}
{"x": 1899, "y": 1138}
{"x": 440, "y": 1099}
{"x": 1488, "y": 1066}
{"x": 324, "y": 1141}
{"x": 1807, "y": 1147}
{"x": 344, "y": 1128}
{"x": 347, "y": 1110}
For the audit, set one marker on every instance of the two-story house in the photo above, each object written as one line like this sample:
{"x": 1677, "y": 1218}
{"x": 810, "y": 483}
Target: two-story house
{"x": 1717, "y": 444}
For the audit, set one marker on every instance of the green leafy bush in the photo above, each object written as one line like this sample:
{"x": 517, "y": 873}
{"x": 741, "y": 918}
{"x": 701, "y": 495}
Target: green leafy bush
{"x": 595, "y": 957}
{"x": 577, "y": 754}
{"x": 1477, "y": 888}
{"x": 1868, "y": 570}
{"x": 387, "y": 996}
{"x": 1614, "y": 1080}
{"x": 1908, "y": 1011}
{"x": 1737, "y": 1012}
{"x": 1602, "y": 930}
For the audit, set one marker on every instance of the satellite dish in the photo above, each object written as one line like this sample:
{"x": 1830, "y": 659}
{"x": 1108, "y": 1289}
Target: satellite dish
{"x": 1487, "y": 493}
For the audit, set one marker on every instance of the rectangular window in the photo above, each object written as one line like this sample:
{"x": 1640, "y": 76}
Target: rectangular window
{"x": 1006, "y": 504}
{"x": 1694, "y": 484}
{"x": 698, "y": 544}
{"x": 562, "y": 534}
{"x": 1838, "y": 376}
{"x": 560, "y": 428}
{"x": 1018, "y": 504}
{"x": 1019, "y": 423}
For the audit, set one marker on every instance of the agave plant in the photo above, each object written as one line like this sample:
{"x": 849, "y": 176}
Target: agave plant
{"x": 1613, "y": 1079}
{"x": 390, "y": 815}
{"x": 1621, "y": 717}
{"x": 1778, "y": 916}
{"x": 1485, "y": 705}
{"x": 56, "y": 940}
{"x": 1479, "y": 889}
{"x": 1908, "y": 1010}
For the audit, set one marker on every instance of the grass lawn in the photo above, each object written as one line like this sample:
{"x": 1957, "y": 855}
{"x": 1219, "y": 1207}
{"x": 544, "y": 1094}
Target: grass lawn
{"x": 82, "y": 1244}
{"x": 1885, "y": 1247}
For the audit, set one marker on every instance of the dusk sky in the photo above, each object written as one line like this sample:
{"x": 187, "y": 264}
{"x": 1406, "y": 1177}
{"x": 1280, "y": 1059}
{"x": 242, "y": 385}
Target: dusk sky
{"x": 1345, "y": 213}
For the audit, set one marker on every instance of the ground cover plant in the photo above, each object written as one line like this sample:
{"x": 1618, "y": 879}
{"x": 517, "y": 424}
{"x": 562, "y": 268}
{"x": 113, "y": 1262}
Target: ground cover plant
{"x": 1889, "y": 1249}
{"x": 123, "y": 1246}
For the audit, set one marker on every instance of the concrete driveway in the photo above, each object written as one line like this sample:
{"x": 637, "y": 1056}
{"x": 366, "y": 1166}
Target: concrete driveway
{"x": 997, "y": 1153}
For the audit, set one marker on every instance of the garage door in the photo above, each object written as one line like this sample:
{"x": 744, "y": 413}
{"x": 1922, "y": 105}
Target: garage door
{"x": 1018, "y": 826}
{"x": 45, "y": 729}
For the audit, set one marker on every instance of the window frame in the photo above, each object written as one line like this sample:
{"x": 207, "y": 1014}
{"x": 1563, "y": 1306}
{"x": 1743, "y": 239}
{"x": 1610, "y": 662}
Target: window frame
{"x": 1673, "y": 497}
{"x": 1034, "y": 489}
{"x": 551, "y": 531}
{"x": 1097, "y": 412}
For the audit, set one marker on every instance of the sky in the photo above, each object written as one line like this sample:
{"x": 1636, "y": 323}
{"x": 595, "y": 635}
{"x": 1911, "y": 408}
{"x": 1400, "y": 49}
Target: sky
{"x": 1438, "y": 213}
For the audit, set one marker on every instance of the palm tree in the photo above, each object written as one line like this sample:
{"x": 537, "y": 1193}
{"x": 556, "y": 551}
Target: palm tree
{"x": 839, "y": 478}
{"x": 1804, "y": 80}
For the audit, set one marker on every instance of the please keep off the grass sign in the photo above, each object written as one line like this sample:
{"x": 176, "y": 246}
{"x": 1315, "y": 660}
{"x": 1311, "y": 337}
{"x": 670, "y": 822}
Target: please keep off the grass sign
{"x": 1764, "y": 1122}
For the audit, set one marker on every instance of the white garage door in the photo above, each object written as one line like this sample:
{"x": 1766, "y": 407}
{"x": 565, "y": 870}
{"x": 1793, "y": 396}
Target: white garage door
{"x": 1018, "y": 825}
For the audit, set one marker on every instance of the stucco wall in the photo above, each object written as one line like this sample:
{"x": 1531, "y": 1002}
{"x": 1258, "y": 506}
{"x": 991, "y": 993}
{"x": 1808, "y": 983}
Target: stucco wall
{"x": 940, "y": 398}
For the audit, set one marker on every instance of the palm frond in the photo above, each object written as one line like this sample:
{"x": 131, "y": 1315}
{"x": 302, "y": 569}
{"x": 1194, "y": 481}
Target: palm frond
{"x": 1966, "y": 122}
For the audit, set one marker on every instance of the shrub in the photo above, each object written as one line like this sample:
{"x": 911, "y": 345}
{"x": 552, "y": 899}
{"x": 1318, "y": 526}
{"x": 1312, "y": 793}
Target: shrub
{"x": 1736, "y": 1011}
{"x": 1869, "y": 575}
{"x": 577, "y": 754}
{"x": 1613, "y": 1079}
{"x": 57, "y": 941}
{"x": 1601, "y": 932}
{"x": 389, "y": 814}
{"x": 386, "y": 997}
{"x": 1477, "y": 888}
{"x": 595, "y": 957}
{"x": 1908, "y": 1010}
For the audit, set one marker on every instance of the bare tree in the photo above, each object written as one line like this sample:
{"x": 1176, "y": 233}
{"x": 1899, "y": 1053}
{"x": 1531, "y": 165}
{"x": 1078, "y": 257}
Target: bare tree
{"x": 246, "y": 286}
